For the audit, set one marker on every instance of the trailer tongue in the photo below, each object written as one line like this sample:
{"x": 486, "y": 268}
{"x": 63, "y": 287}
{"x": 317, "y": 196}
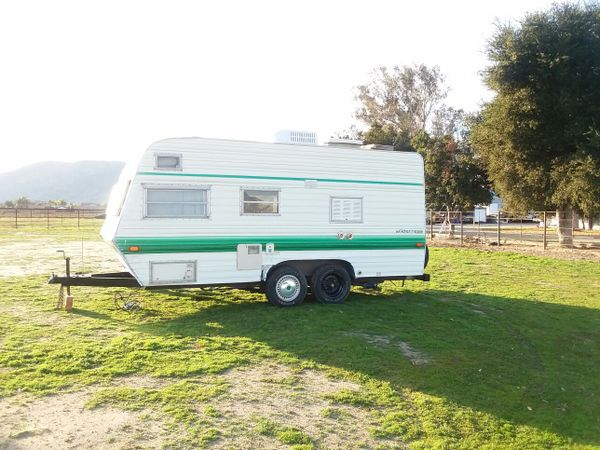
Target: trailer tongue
{"x": 113, "y": 279}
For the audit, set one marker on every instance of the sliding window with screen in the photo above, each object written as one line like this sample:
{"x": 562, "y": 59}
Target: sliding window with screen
{"x": 259, "y": 201}
{"x": 188, "y": 203}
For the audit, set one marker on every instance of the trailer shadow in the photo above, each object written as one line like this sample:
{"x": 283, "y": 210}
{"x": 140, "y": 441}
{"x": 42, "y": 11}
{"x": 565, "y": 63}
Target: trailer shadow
{"x": 522, "y": 360}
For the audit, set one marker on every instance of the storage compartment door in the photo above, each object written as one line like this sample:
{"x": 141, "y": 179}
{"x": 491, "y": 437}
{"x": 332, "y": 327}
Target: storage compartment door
{"x": 172, "y": 272}
{"x": 249, "y": 256}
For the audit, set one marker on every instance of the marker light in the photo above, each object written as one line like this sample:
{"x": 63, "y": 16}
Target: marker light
{"x": 419, "y": 244}
{"x": 134, "y": 248}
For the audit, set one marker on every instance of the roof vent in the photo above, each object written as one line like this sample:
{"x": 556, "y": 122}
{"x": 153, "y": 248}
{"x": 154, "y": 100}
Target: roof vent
{"x": 296, "y": 137}
{"x": 347, "y": 143}
{"x": 379, "y": 147}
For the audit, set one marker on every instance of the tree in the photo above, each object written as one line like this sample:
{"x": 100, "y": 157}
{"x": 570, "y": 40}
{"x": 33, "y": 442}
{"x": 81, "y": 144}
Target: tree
{"x": 352, "y": 133}
{"x": 453, "y": 178}
{"x": 538, "y": 137}
{"x": 22, "y": 202}
{"x": 59, "y": 203}
{"x": 401, "y": 99}
{"x": 388, "y": 135}
{"x": 448, "y": 121}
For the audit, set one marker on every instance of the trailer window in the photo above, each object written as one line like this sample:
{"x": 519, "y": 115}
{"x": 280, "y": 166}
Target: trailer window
{"x": 259, "y": 201}
{"x": 167, "y": 161}
{"x": 346, "y": 210}
{"x": 185, "y": 203}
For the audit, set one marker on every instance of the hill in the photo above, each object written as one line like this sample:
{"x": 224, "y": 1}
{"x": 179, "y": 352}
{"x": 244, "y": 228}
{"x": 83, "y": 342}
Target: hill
{"x": 81, "y": 181}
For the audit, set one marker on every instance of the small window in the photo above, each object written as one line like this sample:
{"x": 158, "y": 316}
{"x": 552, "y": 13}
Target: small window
{"x": 168, "y": 161}
{"x": 259, "y": 201}
{"x": 346, "y": 210}
{"x": 173, "y": 202}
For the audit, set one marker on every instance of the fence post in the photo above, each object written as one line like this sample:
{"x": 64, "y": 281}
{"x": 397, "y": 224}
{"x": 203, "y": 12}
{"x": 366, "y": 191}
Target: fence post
{"x": 521, "y": 229}
{"x": 572, "y": 228}
{"x": 430, "y": 224}
{"x": 16, "y": 217}
{"x": 498, "y": 230}
{"x": 48, "y": 218}
{"x": 545, "y": 228}
{"x": 460, "y": 218}
{"x": 78, "y": 218}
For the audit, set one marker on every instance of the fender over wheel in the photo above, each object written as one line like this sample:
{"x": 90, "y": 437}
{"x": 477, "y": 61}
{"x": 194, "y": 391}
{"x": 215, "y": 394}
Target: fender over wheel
{"x": 286, "y": 286}
{"x": 331, "y": 283}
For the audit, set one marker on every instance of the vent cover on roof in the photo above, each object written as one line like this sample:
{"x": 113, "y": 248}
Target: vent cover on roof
{"x": 296, "y": 137}
{"x": 347, "y": 143}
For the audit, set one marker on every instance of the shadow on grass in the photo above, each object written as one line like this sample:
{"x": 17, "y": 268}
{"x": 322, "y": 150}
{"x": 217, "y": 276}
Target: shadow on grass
{"x": 524, "y": 361}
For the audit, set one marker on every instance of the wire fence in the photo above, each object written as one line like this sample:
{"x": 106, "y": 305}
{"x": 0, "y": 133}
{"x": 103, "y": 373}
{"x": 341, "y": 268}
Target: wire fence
{"x": 458, "y": 227}
{"x": 539, "y": 228}
{"x": 48, "y": 217}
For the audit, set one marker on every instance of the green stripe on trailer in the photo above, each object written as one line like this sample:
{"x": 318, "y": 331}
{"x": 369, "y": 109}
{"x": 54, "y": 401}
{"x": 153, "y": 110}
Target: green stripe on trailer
{"x": 197, "y": 244}
{"x": 261, "y": 177}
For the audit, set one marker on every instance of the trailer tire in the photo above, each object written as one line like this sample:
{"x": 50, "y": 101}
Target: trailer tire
{"x": 331, "y": 284}
{"x": 286, "y": 286}
{"x": 426, "y": 257}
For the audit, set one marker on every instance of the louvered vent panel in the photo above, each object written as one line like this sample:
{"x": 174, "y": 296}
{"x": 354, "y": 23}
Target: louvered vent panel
{"x": 346, "y": 210}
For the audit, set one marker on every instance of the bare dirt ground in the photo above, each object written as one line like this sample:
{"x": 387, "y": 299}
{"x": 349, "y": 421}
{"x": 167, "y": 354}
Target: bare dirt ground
{"x": 63, "y": 422}
{"x": 39, "y": 256}
{"x": 415, "y": 357}
{"x": 586, "y": 254}
{"x": 287, "y": 397}
{"x": 272, "y": 391}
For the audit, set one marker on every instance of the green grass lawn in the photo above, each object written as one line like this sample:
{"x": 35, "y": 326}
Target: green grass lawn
{"x": 508, "y": 353}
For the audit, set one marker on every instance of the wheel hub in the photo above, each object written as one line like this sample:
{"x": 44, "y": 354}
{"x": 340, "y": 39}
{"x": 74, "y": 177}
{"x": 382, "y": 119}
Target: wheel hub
{"x": 288, "y": 288}
{"x": 331, "y": 284}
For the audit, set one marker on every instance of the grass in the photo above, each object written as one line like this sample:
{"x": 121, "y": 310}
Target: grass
{"x": 512, "y": 343}
{"x": 57, "y": 230}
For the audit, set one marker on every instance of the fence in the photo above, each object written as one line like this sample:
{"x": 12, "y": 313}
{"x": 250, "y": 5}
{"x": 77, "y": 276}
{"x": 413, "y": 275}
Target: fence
{"x": 462, "y": 228}
{"x": 49, "y": 217}
{"x": 538, "y": 228}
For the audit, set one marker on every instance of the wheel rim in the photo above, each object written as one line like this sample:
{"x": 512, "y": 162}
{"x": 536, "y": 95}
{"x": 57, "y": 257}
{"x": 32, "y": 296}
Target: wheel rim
{"x": 332, "y": 285}
{"x": 288, "y": 288}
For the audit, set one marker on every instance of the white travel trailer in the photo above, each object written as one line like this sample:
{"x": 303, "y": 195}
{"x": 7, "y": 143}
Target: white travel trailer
{"x": 284, "y": 216}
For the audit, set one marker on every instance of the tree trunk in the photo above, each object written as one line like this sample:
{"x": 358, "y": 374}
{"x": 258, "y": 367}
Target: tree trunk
{"x": 449, "y": 223}
{"x": 564, "y": 227}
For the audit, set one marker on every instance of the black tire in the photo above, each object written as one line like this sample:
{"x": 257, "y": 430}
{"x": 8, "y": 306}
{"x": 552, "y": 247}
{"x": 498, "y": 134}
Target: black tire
{"x": 286, "y": 286}
{"x": 331, "y": 284}
{"x": 426, "y": 257}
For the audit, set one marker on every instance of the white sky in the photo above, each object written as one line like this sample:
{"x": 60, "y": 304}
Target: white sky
{"x": 104, "y": 79}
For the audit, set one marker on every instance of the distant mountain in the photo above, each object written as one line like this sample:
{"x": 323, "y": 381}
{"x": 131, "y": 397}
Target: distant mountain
{"x": 81, "y": 181}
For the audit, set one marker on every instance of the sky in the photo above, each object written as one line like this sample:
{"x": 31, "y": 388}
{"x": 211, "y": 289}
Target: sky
{"x": 88, "y": 79}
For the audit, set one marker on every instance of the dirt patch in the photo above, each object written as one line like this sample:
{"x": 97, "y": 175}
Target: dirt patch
{"x": 577, "y": 254}
{"x": 289, "y": 398}
{"x": 415, "y": 357}
{"x": 39, "y": 256}
{"x": 63, "y": 422}
{"x": 140, "y": 381}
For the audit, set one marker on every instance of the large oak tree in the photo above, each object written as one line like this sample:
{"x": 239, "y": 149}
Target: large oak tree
{"x": 539, "y": 136}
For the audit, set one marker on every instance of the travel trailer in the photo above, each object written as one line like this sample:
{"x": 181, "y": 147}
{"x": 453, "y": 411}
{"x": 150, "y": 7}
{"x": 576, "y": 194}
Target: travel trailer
{"x": 287, "y": 216}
